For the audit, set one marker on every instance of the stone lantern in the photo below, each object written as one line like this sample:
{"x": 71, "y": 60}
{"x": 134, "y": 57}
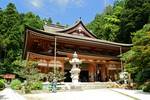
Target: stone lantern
{"x": 75, "y": 71}
{"x": 124, "y": 76}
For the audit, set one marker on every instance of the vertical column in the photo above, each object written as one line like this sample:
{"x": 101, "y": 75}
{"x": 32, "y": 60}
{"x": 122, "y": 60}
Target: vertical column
{"x": 122, "y": 69}
{"x": 55, "y": 55}
{"x": 62, "y": 68}
{"x": 103, "y": 73}
{"x": 106, "y": 72}
{"x": 28, "y": 55}
{"x": 91, "y": 69}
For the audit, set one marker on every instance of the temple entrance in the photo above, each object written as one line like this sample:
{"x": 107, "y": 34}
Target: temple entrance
{"x": 98, "y": 73}
{"x": 67, "y": 76}
{"x": 84, "y": 76}
{"x": 92, "y": 72}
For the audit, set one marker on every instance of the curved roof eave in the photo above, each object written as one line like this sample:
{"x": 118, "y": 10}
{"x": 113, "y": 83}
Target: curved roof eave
{"x": 76, "y": 24}
{"x": 78, "y": 37}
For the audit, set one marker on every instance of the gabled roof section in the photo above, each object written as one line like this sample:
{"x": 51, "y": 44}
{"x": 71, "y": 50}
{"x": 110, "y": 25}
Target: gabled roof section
{"x": 75, "y": 37}
{"x": 78, "y": 29}
{"x": 52, "y": 28}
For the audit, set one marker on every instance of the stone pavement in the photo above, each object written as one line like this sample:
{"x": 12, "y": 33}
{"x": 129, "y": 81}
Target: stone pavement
{"x": 97, "y": 94}
{"x": 137, "y": 94}
{"x": 9, "y": 94}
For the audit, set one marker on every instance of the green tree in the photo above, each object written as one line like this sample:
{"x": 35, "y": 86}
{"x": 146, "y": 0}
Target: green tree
{"x": 1, "y": 45}
{"x": 12, "y": 25}
{"x": 48, "y": 21}
{"x": 106, "y": 25}
{"x": 137, "y": 60}
{"x": 29, "y": 71}
{"x": 32, "y": 20}
{"x": 9, "y": 36}
{"x": 58, "y": 24}
{"x": 134, "y": 15}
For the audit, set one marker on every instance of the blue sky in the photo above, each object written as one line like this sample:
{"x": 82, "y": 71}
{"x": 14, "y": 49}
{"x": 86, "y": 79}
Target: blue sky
{"x": 63, "y": 11}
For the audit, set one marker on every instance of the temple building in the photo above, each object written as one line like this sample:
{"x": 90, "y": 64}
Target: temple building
{"x": 53, "y": 48}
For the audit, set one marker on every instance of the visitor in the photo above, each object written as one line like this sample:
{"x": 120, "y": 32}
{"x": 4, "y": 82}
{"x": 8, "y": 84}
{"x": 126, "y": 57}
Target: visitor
{"x": 54, "y": 85}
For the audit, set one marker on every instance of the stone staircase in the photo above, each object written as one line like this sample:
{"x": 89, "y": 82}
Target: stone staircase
{"x": 94, "y": 85}
{"x": 87, "y": 85}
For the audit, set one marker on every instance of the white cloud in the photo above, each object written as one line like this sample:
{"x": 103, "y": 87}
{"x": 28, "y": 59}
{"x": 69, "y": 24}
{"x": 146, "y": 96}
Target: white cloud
{"x": 79, "y": 2}
{"x": 59, "y": 3}
{"x": 37, "y": 3}
{"x": 64, "y": 3}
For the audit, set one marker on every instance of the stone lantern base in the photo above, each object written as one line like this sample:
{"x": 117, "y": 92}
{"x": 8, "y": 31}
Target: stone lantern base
{"x": 75, "y": 75}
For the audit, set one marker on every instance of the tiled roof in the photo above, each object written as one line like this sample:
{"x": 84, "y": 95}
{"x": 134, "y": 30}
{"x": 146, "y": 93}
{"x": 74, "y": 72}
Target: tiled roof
{"x": 78, "y": 37}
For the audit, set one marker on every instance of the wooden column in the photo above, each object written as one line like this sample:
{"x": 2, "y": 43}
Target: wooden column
{"x": 55, "y": 55}
{"x": 122, "y": 69}
{"x": 62, "y": 68}
{"x": 103, "y": 73}
{"x": 92, "y": 70}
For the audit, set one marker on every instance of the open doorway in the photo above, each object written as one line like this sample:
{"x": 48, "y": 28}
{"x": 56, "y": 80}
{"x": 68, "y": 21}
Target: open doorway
{"x": 84, "y": 76}
{"x": 67, "y": 76}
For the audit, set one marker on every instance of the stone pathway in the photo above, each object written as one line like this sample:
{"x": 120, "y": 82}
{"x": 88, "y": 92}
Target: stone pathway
{"x": 9, "y": 94}
{"x": 97, "y": 94}
{"x": 138, "y": 94}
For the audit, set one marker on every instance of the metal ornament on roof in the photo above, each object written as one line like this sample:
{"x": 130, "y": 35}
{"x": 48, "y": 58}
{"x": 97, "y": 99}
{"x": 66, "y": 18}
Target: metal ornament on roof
{"x": 79, "y": 29}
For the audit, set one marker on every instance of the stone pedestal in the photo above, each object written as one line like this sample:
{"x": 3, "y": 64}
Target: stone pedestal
{"x": 75, "y": 75}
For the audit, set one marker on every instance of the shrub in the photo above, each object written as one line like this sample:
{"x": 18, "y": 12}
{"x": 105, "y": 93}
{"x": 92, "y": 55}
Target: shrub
{"x": 146, "y": 87}
{"x": 36, "y": 85}
{"x": 27, "y": 88}
{"x": 140, "y": 86}
{"x": 2, "y": 84}
{"x": 15, "y": 84}
{"x": 139, "y": 78}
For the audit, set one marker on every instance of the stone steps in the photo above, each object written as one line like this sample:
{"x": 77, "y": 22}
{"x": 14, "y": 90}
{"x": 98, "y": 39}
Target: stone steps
{"x": 96, "y": 85}
{"x": 87, "y": 85}
{"x": 68, "y": 86}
